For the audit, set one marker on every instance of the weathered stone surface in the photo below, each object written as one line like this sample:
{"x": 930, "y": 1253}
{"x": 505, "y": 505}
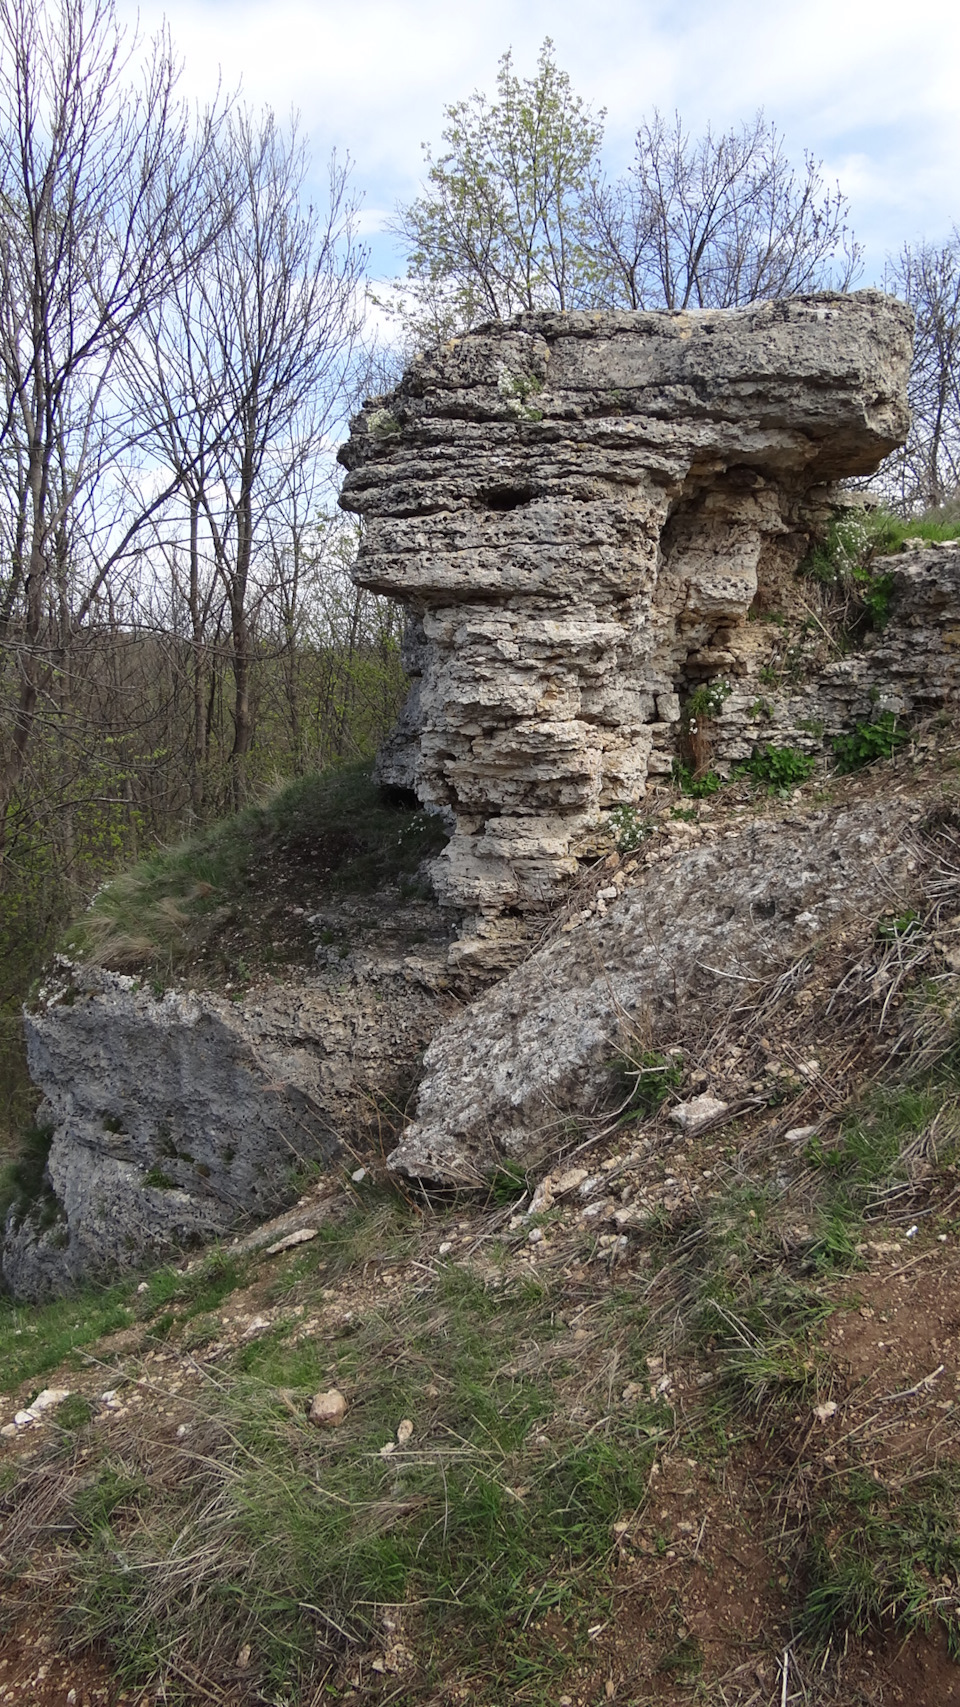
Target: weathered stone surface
{"x": 327, "y": 1410}
{"x": 177, "y": 1120}
{"x": 581, "y": 512}
{"x": 501, "y": 1078}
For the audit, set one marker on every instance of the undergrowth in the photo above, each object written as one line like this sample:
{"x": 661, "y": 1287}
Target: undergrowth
{"x": 337, "y": 823}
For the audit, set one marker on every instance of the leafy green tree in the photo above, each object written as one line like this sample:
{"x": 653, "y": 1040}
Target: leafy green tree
{"x": 503, "y": 224}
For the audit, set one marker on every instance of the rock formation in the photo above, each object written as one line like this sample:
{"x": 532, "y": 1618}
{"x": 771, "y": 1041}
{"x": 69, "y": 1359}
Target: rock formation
{"x": 582, "y": 514}
{"x": 697, "y": 934}
{"x": 177, "y": 1119}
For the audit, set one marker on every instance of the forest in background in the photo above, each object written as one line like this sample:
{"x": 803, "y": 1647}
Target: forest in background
{"x": 183, "y": 336}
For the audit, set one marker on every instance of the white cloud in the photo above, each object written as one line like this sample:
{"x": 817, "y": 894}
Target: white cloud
{"x": 865, "y": 84}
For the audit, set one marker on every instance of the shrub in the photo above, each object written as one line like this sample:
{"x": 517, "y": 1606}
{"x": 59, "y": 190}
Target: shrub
{"x": 778, "y": 768}
{"x": 868, "y": 741}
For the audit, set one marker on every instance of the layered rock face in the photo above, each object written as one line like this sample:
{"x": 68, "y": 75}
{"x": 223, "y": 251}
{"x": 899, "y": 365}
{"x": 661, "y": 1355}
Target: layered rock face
{"x": 582, "y": 513}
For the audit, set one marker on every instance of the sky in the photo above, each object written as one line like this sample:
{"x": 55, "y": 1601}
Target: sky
{"x": 870, "y": 87}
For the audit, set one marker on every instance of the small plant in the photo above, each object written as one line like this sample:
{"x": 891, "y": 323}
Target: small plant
{"x": 707, "y": 700}
{"x": 895, "y": 927}
{"x": 704, "y": 705}
{"x": 698, "y": 787}
{"x": 880, "y": 739}
{"x": 648, "y": 1077}
{"x": 760, "y": 708}
{"x": 778, "y": 768}
{"x": 159, "y": 1180}
{"x": 383, "y": 425}
{"x": 629, "y": 828}
{"x": 514, "y": 389}
{"x": 876, "y": 595}
{"x": 507, "y": 1184}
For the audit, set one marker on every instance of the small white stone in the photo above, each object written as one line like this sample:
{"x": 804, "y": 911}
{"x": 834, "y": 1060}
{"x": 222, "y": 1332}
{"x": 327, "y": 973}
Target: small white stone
{"x": 358, "y": 1175}
{"x": 302, "y": 1237}
{"x": 328, "y": 1409}
{"x": 404, "y": 1431}
{"x": 701, "y": 1111}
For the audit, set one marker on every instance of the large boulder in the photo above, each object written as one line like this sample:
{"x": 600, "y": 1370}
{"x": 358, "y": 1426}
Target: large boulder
{"x": 694, "y": 936}
{"x": 178, "y": 1119}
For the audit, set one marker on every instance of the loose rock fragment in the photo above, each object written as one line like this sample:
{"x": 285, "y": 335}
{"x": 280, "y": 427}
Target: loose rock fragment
{"x": 302, "y": 1237}
{"x": 702, "y": 1111}
{"x": 328, "y": 1409}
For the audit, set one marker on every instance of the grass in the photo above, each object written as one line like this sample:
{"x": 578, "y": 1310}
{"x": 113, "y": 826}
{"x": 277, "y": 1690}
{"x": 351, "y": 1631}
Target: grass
{"x": 300, "y": 1544}
{"x": 484, "y": 1549}
{"x": 880, "y": 1558}
{"x": 337, "y": 823}
{"x": 37, "y": 1338}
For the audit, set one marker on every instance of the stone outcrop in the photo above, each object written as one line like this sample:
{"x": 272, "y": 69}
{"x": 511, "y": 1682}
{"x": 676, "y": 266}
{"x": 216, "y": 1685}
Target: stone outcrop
{"x": 583, "y": 514}
{"x": 661, "y": 965}
{"x": 177, "y": 1120}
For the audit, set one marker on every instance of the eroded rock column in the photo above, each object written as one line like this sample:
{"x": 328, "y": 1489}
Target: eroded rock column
{"x": 579, "y": 513}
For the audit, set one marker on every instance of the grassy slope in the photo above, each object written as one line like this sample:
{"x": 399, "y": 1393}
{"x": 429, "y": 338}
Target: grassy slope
{"x": 323, "y": 833}
{"x": 601, "y": 1424}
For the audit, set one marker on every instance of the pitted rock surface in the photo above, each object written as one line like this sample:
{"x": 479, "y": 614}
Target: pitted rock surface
{"x": 178, "y": 1120}
{"x": 582, "y": 514}
{"x": 664, "y": 961}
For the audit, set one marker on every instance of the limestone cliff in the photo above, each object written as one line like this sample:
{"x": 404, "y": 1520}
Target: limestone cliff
{"x": 582, "y": 514}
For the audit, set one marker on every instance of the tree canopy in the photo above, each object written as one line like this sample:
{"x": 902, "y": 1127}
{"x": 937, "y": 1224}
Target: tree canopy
{"x": 516, "y": 213}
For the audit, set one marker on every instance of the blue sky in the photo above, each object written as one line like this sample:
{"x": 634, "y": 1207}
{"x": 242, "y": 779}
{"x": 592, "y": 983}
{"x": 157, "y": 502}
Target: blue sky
{"x": 872, "y": 89}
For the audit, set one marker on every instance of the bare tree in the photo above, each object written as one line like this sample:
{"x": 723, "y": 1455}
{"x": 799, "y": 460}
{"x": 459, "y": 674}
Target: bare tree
{"x": 714, "y": 221}
{"x": 93, "y": 173}
{"x": 246, "y": 365}
{"x": 927, "y": 276}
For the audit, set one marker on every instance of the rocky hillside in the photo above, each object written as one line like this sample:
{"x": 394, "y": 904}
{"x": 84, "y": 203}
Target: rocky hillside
{"x": 669, "y": 1416}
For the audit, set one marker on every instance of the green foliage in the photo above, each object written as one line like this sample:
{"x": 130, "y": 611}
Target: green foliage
{"x": 894, "y": 927}
{"x": 502, "y": 225}
{"x": 778, "y": 768}
{"x": 707, "y": 700}
{"x": 879, "y": 739}
{"x": 507, "y": 1184}
{"x": 698, "y": 787}
{"x": 847, "y": 557}
{"x": 647, "y": 1078}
